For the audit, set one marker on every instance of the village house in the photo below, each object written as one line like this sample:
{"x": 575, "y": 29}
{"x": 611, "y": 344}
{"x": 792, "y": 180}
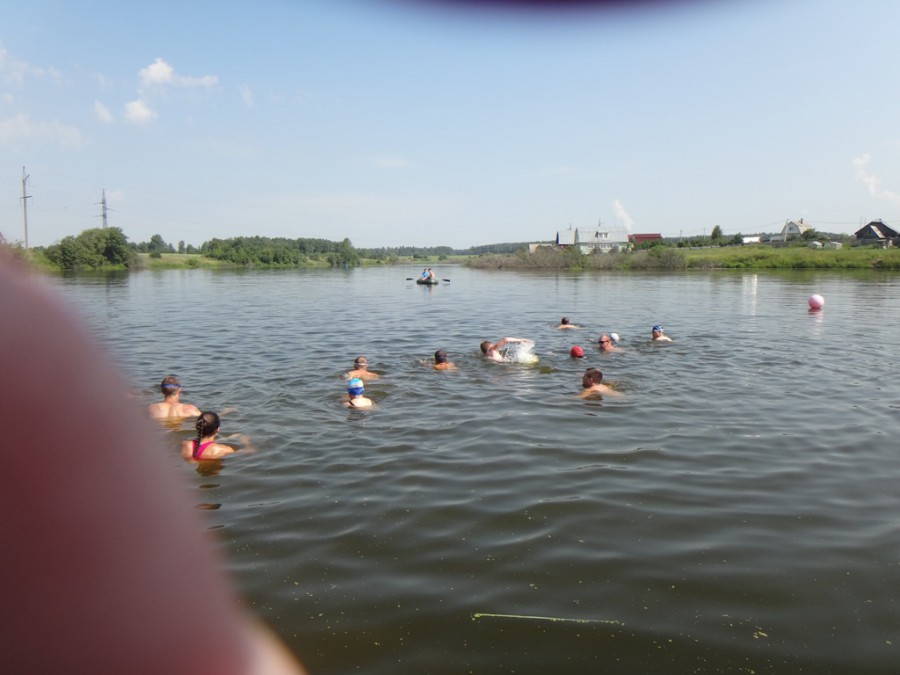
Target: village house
{"x": 593, "y": 241}
{"x": 876, "y": 232}
{"x": 638, "y": 239}
{"x": 791, "y": 230}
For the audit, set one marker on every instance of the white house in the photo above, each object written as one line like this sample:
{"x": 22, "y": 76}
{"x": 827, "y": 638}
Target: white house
{"x": 593, "y": 241}
{"x": 792, "y": 229}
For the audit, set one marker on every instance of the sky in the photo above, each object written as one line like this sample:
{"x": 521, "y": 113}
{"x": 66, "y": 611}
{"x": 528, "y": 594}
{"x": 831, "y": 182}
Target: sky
{"x": 404, "y": 123}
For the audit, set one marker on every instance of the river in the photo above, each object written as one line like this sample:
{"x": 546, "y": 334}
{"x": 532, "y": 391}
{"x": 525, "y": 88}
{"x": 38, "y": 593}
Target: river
{"x": 736, "y": 510}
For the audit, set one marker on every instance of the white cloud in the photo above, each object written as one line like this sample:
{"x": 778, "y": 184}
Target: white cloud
{"x": 23, "y": 127}
{"x": 622, "y": 215}
{"x": 160, "y": 73}
{"x": 15, "y": 71}
{"x": 247, "y": 95}
{"x": 103, "y": 113}
{"x": 138, "y": 112}
{"x": 871, "y": 181}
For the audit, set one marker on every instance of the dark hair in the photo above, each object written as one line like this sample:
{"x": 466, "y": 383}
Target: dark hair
{"x": 169, "y": 385}
{"x": 207, "y": 424}
{"x": 564, "y": 321}
{"x": 591, "y": 377}
{"x": 485, "y": 346}
{"x": 440, "y": 356}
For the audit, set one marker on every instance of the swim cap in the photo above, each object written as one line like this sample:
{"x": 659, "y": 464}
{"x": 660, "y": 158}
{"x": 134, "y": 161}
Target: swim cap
{"x": 355, "y": 387}
{"x": 614, "y": 337}
{"x": 577, "y": 352}
{"x": 658, "y": 327}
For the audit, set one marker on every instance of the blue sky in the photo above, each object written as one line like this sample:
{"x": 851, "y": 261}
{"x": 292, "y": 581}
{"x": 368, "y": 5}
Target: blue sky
{"x": 407, "y": 123}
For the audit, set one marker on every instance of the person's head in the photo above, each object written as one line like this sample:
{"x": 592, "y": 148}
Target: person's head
{"x": 657, "y": 330}
{"x": 576, "y": 352}
{"x": 564, "y": 321}
{"x": 355, "y": 387}
{"x": 362, "y": 363}
{"x": 486, "y": 346}
{"x": 170, "y": 385}
{"x": 605, "y": 341}
{"x": 440, "y": 356}
{"x": 207, "y": 424}
{"x": 591, "y": 377}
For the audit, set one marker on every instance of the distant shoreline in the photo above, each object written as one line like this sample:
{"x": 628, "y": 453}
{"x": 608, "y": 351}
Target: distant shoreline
{"x": 664, "y": 258}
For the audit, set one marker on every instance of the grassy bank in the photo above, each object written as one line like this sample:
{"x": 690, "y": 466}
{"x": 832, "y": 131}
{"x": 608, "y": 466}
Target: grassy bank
{"x": 725, "y": 257}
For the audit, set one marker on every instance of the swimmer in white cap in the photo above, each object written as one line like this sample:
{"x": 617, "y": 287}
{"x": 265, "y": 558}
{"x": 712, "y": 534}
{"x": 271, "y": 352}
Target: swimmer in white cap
{"x": 657, "y": 333}
{"x": 606, "y": 344}
{"x": 355, "y": 398}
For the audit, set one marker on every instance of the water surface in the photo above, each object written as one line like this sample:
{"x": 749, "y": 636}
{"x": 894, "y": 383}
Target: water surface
{"x": 736, "y": 511}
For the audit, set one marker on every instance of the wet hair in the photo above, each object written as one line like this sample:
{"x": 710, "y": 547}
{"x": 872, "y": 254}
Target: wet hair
{"x": 169, "y": 385}
{"x": 485, "y": 346}
{"x": 564, "y": 321}
{"x": 591, "y": 377}
{"x": 207, "y": 424}
{"x": 440, "y": 356}
{"x": 361, "y": 361}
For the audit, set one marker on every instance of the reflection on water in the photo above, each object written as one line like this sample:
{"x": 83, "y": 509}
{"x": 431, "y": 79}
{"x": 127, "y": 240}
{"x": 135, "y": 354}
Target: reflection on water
{"x": 736, "y": 510}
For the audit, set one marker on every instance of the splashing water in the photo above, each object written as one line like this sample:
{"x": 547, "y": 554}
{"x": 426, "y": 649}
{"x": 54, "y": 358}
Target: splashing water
{"x": 520, "y": 352}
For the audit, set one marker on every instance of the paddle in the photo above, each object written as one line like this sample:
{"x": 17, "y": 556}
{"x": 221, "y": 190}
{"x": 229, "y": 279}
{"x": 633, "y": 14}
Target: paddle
{"x": 447, "y": 280}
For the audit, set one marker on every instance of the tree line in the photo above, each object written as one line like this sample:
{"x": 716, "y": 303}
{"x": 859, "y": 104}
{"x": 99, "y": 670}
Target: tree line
{"x": 109, "y": 248}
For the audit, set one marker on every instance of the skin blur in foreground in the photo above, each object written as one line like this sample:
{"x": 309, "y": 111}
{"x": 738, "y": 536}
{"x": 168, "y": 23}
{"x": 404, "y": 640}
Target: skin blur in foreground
{"x": 107, "y": 566}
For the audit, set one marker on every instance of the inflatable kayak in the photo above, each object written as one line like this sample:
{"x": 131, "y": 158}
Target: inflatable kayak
{"x": 427, "y": 282}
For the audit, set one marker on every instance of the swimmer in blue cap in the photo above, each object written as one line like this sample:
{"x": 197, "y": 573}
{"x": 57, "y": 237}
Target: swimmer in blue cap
{"x": 355, "y": 398}
{"x": 442, "y": 361}
{"x": 658, "y": 336}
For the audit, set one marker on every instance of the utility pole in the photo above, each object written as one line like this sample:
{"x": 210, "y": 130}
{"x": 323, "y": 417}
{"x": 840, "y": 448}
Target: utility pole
{"x": 103, "y": 208}
{"x": 25, "y": 198}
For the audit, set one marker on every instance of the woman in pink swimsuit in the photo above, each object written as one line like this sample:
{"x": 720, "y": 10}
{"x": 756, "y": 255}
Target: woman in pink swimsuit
{"x": 205, "y": 446}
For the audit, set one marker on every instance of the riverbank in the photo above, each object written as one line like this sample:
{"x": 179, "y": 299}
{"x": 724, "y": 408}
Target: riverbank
{"x": 724, "y": 257}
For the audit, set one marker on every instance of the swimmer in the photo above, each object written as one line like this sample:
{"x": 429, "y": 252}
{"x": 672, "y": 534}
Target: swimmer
{"x": 564, "y": 323}
{"x": 361, "y": 370}
{"x": 442, "y": 362}
{"x": 355, "y": 398}
{"x": 592, "y": 383}
{"x": 205, "y": 446}
{"x": 657, "y": 333}
{"x": 491, "y": 350}
{"x": 172, "y": 405}
{"x": 576, "y": 352}
{"x": 165, "y": 597}
{"x": 606, "y": 344}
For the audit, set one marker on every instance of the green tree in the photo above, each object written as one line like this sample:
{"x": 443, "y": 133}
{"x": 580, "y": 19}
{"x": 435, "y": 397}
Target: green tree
{"x": 158, "y": 245}
{"x": 92, "y": 249}
{"x": 181, "y": 246}
{"x": 716, "y": 233}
